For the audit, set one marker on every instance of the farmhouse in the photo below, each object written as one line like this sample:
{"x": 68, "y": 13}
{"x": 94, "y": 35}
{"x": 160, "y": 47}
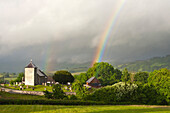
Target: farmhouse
{"x": 93, "y": 82}
{"x": 33, "y": 75}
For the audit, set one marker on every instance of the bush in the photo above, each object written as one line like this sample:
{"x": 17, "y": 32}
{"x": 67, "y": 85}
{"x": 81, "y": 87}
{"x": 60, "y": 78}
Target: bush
{"x": 47, "y": 94}
{"x": 72, "y": 97}
{"x": 57, "y": 102}
{"x": 119, "y": 92}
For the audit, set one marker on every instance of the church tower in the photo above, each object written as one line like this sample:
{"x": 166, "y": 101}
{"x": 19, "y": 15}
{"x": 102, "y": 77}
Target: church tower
{"x": 30, "y": 74}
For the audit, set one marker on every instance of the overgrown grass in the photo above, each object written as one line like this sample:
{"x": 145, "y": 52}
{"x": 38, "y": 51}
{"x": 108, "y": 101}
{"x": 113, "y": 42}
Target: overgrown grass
{"x": 82, "y": 109}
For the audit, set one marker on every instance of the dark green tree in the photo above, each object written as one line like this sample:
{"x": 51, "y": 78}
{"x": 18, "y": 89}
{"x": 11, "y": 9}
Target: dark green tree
{"x": 63, "y": 77}
{"x": 19, "y": 78}
{"x": 105, "y": 72}
{"x": 80, "y": 90}
{"x": 58, "y": 92}
{"x": 160, "y": 79}
{"x": 141, "y": 77}
{"x": 126, "y": 76}
{"x": 82, "y": 77}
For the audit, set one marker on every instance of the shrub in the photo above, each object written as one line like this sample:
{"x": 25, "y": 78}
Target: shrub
{"x": 47, "y": 94}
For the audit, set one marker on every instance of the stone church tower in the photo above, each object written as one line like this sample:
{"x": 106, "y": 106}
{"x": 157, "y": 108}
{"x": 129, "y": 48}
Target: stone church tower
{"x": 34, "y": 76}
{"x": 30, "y": 74}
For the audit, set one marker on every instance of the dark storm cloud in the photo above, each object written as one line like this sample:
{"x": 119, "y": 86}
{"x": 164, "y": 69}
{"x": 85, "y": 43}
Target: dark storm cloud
{"x": 70, "y": 31}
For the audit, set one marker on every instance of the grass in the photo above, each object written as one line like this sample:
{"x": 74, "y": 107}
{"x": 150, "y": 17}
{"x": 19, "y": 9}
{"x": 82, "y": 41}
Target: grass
{"x": 9, "y": 79}
{"x": 82, "y": 109}
{"x": 36, "y": 88}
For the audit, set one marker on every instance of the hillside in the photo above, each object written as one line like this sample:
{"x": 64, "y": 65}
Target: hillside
{"x": 147, "y": 65}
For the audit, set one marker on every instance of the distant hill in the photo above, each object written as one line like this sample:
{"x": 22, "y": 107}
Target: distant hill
{"x": 147, "y": 65}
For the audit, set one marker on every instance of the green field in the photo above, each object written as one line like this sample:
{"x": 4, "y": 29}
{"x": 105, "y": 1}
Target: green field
{"x": 81, "y": 109}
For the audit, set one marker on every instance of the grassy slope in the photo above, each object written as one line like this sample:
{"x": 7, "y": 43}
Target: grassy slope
{"x": 147, "y": 65}
{"x": 80, "y": 109}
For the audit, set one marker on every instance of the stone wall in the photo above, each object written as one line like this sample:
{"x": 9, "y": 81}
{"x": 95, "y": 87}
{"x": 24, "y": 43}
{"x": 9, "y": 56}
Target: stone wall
{"x": 40, "y": 93}
{"x": 22, "y": 92}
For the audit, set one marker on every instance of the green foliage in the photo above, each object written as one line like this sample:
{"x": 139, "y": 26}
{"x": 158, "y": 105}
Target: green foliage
{"x": 58, "y": 92}
{"x": 47, "y": 94}
{"x": 19, "y": 78}
{"x": 120, "y": 92}
{"x": 141, "y": 77}
{"x": 126, "y": 76}
{"x": 63, "y": 77}
{"x": 82, "y": 77}
{"x": 160, "y": 79}
{"x": 150, "y": 95}
{"x": 72, "y": 97}
{"x": 80, "y": 90}
{"x": 105, "y": 73}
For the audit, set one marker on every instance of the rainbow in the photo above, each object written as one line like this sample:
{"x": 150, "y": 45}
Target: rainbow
{"x": 106, "y": 34}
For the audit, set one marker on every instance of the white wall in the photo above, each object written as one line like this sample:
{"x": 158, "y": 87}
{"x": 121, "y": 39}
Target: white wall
{"x": 29, "y": 76}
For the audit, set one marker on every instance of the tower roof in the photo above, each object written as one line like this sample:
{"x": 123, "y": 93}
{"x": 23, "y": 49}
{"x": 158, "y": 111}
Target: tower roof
{"x": 31, "y": 65}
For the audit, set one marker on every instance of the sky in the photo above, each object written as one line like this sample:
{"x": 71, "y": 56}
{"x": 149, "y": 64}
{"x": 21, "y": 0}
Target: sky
{"x": 58, "y": 31}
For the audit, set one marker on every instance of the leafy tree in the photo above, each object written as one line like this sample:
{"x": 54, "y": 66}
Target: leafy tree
{"x": 58, "y": 92}
{"x": 63, "y": 77}
{"x": 80, "y": 90}
{"x": 82, "y": 77}
{"x": 105, "y": 72}
{"x": 126, "y": 76}
{"x": 19, "y": 78}
{"x": 141, "y": 77}
{"x": 148, "y": 94}
{"x": 160, "y": 79}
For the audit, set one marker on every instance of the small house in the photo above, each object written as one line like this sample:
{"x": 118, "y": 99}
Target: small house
{"x": 93, "y": 82}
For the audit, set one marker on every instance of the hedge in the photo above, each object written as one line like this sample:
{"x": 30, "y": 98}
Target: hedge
{"x": 57, "y": 102}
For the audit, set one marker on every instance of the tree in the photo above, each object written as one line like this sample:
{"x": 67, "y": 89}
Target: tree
{"x": 80, "y": 90}
{"x": 19, "y": 78}
{"x": 105, "y": 72}
{"x": 63, "y": 77}
{"x": 58, "y": 92}
{"x": 126, "y": 76}
{"x": 160, "y": 79}
{"x": 141, "y": 77}
{"x": 82, "y": 77}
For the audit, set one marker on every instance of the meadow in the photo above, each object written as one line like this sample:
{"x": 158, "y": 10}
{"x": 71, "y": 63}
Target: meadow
{"x": 82, "y": 109}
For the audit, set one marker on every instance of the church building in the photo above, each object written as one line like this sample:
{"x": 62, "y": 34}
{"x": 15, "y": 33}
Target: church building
{"x": 34, "y": 76}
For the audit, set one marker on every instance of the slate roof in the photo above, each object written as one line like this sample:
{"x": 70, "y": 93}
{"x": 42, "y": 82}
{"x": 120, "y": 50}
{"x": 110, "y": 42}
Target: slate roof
{"x": 31, "y": 65}
{"x": 89, "y": 80}
{"x": 41, "y": 73}
{"x": 50, "y": 78}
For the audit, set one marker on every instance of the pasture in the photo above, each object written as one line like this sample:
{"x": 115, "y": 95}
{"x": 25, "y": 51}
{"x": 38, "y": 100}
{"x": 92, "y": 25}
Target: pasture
{"x": 82, "y": 109}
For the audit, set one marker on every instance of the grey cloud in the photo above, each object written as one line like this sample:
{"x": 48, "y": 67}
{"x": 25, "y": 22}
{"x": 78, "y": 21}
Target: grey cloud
{"x": 59, "y": 31}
